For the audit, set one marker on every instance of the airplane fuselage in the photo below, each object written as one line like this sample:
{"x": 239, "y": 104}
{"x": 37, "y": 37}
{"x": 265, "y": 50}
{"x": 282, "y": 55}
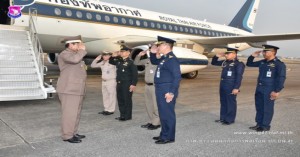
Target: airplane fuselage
{"x": 102, "y": 25}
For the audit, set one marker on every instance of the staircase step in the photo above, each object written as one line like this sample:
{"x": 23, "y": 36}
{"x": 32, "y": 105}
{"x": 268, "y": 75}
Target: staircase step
{"x": 4, "y": 50}
{"x": 16, "y": 57}
{"x": 11, "y": 34}
{"x": 15, "y": 71}
{"x": 18, "y": 85}
{"x": 32, "y": 77}
{"x": 16, "y": 64}
{"x": 21, "y": 94}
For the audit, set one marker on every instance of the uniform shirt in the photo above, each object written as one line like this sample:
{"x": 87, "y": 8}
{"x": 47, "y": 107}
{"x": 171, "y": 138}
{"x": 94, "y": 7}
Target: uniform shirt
{"x": 108, "y": 70}
{"x": 72, "y": 72}
{"x": 126, "y": 70}
{"x": 271, "y": 73}
{"x": 149, "y": 68}
{"x": 168, "y": 70}
{"x": 232, "y": 70}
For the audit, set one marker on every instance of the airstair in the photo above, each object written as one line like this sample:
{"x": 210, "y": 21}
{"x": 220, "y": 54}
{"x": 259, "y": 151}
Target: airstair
{"x": 21, "y": 64}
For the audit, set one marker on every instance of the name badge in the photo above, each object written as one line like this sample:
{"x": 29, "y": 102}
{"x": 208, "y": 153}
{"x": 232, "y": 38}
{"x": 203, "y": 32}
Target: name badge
{"x": 229, "y": 73}
{"x": 151, "y": 71}
{"x": 269, "y": 73}
{"x": 158, "y": 73}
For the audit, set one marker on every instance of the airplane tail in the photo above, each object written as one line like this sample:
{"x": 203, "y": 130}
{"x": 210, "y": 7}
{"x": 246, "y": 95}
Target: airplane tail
{"x": 245, "y": 18}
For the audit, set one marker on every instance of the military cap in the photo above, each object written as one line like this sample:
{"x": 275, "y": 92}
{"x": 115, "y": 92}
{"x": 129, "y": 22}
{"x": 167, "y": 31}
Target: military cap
{"x": 76, "y": 39}
{"x": 161, "y": 40}
{"x": 106, "y": 53}
{"x": 124, "y": 48}
{"x": 269, "y": 47}
{"x": 231, "y": 50}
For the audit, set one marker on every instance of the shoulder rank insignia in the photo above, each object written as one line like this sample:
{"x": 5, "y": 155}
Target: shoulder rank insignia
{"x": 170, "y": 56}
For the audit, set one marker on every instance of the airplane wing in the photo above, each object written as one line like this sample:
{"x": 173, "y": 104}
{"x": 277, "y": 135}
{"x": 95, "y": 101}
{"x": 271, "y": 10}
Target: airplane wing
{"x": 247, "y": 39}
{"x": 213, "y": 42}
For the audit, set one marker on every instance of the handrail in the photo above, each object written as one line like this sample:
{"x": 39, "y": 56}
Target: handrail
{"x": 37, "y": 47}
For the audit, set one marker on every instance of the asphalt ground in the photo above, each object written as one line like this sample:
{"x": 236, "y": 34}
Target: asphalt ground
{"x": 32, "y": 128}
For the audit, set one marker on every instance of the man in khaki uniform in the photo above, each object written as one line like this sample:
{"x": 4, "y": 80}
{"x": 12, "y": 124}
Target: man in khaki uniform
{"x": 71, "y": 87}
{"x": 109, "y": 83}
{"x": 150, "y": 98}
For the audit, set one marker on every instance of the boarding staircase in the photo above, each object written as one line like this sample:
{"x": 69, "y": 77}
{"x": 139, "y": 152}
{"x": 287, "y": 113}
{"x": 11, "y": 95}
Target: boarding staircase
{"x": 21, "y": 64}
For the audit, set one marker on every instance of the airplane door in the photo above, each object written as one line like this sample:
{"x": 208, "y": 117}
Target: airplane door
{"x": 4, "y": 4}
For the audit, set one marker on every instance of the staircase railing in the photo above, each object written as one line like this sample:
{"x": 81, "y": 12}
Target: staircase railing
{"x": 37, "y": 47}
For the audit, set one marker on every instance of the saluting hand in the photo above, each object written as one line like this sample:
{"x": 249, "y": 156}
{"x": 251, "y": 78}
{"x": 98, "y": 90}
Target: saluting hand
{"x": 142, "y": 53}
{"x": 99, "y": 57}
{"x": 115, "y": 54}
{"x": 154, "y": 49}
{"x": 131, "y": 88}
{"x": 169, "y": 97}
{"x": 220, "y": 55}
{"x": 81, "y": 46}
{"x": 256, "y": 53}
{"x": 274, "y": 95}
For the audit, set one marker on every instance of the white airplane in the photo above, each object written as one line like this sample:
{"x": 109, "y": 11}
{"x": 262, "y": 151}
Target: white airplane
{"x": 106, "y": 26}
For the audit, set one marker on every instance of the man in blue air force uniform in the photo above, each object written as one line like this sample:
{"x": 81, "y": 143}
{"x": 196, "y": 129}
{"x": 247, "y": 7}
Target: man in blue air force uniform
{"x": 270, "y": 81}
{"x": 167, "y": 78}
{"x": 231, "y": 78}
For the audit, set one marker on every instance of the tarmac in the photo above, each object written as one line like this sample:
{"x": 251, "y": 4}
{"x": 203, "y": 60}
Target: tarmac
{"x": 32, "y": 128}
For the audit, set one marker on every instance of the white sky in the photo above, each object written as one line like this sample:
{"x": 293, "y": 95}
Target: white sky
{"x": 274, "y": 16}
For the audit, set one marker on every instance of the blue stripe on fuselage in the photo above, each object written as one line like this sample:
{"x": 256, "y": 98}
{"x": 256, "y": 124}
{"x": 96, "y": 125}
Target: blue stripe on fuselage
{"x": 49, "y": 10}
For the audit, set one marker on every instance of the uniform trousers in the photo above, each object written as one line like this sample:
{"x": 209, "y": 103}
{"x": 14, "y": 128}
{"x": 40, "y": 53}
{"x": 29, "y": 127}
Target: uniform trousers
{"x": 124, "y": 99}
{"x": 151, "y": 105}
{"x": 264, "y": 106}
{"x": 71, "y": 108}
{"x": 228, "y": 102}
{"x": 166, "y": 111}
{"x": 109, "y": 94}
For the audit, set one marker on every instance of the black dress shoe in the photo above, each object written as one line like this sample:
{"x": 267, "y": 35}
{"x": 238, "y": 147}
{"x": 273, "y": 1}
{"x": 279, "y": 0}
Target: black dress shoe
{"x": 156, "y": 138}
{"x": 108, "y": 113}
{"x": 164, "y": 141}
{"x": 219, "y": 121}
{"x": 254, "y": 127}
{"x": 74, "y": 139}
{"x": 102, "y": 112}
{"x": 146, "y": 125}
{"x": 79, "y": 136}
{"x": 260, "y": 129}
{"x": 153, "y": 127}
{"x": 122, "y": 119}
{"x": 227, "y": 123}
{"x": 118, "y": 118}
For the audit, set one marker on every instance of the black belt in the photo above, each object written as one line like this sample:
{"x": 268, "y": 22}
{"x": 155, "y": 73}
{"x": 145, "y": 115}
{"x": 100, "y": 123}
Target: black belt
{"x": 149, "y": 84}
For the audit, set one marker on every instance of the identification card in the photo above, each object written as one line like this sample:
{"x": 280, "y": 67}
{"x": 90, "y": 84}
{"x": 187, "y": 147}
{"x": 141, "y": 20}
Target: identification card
{"x": 269, "y": 73}
{"x": 229, "y": 73}
{"x": 158, "y": 74}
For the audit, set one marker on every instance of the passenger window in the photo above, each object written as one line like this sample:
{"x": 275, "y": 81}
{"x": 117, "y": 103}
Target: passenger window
{"x": 79, "y": 14}
{"x": 68, "y": 13}
{"x": 107, "y": 18}
{"x": 98, "y": 17}
{"x": 89, "y": 16}
{"x": 124, "y": 21}
{"x": 57, "y": 11}
{"x": 116, "y": 20}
